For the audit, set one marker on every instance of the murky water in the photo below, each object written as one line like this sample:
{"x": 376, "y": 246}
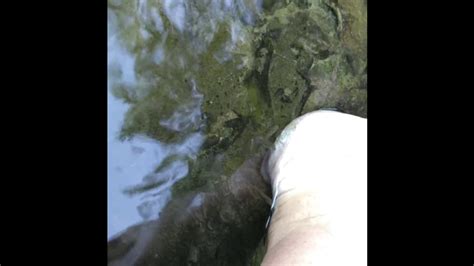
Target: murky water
{"x": 196, "y": 87}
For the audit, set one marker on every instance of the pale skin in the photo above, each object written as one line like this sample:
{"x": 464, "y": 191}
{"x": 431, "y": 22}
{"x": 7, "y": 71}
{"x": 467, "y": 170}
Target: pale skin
{"x": 318, "y": 172}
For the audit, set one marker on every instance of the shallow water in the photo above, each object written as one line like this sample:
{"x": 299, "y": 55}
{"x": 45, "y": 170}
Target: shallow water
{"x": 132, "y": 162}
{"x": 197, "y": 87}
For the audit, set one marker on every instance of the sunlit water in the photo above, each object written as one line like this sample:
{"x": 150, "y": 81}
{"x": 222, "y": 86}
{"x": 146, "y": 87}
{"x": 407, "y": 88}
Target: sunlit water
{"x": 197, "y": 86}
{"x": 132, "y": 162}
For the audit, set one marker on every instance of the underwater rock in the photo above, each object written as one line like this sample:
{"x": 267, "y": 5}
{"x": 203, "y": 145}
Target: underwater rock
{"x": 273, "y": 68}
{"x": 239, "y": 76}
{"x": 219, "y": 227}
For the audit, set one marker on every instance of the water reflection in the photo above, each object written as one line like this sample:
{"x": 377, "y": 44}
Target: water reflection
{"x": 231, "y": 73}
{"x": 138, "y": 187}
{"x": 159, "y": 53}
{"x": 132, "y": 165}
{"x": 126, "y": 166}
{"x": 196, "y": 87}
{"x": 155, "y": 121}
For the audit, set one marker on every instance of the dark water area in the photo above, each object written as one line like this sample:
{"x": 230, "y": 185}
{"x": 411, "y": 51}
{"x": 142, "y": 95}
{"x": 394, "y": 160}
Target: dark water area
{"x": 197, "y": 92}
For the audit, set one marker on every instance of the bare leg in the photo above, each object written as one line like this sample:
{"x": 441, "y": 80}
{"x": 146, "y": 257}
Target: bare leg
{"x": 319, "y": 175}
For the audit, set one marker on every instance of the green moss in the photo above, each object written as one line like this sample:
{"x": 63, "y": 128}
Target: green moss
{"x": 295, "y": 61}
{"x": 299, "y": 57}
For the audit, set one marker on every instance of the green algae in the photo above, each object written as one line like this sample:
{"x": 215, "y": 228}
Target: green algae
{"x": 298, "y": 56}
